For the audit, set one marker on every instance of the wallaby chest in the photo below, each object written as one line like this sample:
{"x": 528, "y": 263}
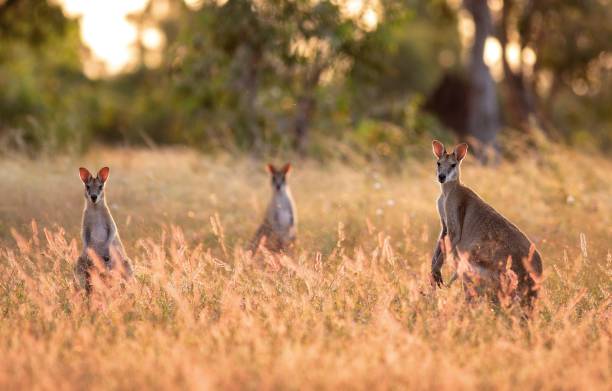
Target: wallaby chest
{"x": 99, "y": 234}
{"x": 97, "y": 226}
{"x": 281, "y": 211}
{"x": 442, "y": 208}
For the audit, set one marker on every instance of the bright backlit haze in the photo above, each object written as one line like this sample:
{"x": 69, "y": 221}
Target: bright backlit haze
{"x": 113, "y": 39}
{"x": 107, "y": 32}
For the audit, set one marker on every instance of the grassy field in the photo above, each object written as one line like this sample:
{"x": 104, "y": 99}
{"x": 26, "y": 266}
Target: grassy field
{"x": 352, "y": 308}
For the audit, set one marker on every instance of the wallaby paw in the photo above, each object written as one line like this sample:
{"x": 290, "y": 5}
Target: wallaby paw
{"x": 436, "y": 279}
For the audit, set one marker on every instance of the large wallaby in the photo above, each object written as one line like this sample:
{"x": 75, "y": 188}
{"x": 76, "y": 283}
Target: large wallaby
{"x": 491, "y": 251}
{"x": 279, "y": 227}
{"x": 101, "y": 243}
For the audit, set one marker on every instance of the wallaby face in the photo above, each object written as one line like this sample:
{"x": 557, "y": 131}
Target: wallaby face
{"x": 279, "y": 176}
{"x": 94, "y": 187}
{"x": 448, "y": 169}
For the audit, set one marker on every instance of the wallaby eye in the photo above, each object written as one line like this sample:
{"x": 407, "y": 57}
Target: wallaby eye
{"x": 88, "y": 187}
{"x": 453, "y": 165}
{"x": 438, "y": 164}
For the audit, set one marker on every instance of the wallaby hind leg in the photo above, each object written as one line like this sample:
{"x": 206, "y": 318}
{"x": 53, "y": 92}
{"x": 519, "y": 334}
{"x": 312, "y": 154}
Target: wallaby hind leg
{"x": 128, "y": 271}
{"x": 255, "y": 242}
{"x": 82, "y": 273}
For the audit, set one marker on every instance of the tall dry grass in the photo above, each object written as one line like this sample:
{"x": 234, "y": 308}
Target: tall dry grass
{"x": 351, "y": 308}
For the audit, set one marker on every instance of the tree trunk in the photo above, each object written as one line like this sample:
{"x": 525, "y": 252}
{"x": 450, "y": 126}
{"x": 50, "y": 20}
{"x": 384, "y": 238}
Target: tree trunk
{"x": 306, "y": 106}
{"x": 483, "y": 122}
{"x": 249, "y": 59}
{"x": 305, "y": 109}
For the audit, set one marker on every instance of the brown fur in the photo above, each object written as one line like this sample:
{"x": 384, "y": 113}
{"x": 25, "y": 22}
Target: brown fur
{"x": 103, "y": 253}
{"x": 492, "y": 252}
{"x": 279, "y": 228}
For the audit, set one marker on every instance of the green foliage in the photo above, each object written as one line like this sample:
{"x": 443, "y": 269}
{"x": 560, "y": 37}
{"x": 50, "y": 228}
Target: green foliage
{"x": 42, "y": 83}
{"x": 255, "y": 75}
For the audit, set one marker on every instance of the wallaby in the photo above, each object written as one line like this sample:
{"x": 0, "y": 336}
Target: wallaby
{"x": 492, "y": 252}
{"x": 101, "y": 243}
{"x": 280, "y": 223}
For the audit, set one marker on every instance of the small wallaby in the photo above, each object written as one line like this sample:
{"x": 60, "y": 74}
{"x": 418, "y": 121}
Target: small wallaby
{"x": 489, "y": 245}
{"x": 99, "y": 232}
{"x": 280, "y": 223}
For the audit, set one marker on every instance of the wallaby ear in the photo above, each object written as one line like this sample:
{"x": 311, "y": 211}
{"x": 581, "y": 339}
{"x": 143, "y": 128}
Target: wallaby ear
{"x": 286, "y": 168}
{"x": 438, "y": 148}
{"x": 103, "y": 174}
{"x": 84, "y": 174}
{"x": 270, "y": 167}
{"x": 461, "y": 151}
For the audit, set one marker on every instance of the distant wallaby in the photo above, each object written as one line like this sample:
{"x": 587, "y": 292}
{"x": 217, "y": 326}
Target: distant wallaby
{"x": 99, "y": 232}
{"x": 280, "y": 223}
{"x": 491, "y": 251}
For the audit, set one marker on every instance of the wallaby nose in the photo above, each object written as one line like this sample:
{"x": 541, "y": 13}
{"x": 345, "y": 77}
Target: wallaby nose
{"x": 441, "y": 178}
{"x": 94, "y": 197}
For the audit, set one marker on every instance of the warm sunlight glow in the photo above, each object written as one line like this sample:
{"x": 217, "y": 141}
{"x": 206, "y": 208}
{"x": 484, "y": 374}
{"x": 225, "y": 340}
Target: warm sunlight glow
{"x": 152, "y": 38}
{"x": 106, "y": 31}
{"x": 544, "y": 80}
{"x": 529, "y": 56}
{"x": 370, "y": 19}
{"x": 466, "y": 28}
{"x": 492, "y": 51}
{"x": 194, "y": 4}
{"x": 353, "y": 7}
{"x": 492, "y": 57}
{"x": 513, "y": 55}
{"x": 529, "y": 59}
{"x": 495, "y": 5}
{"x": 113, "y": 46}
{"x": 365, "y": 13}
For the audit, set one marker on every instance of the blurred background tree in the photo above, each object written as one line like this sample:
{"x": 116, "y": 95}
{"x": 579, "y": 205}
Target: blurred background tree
{"x": 319, "y": 77}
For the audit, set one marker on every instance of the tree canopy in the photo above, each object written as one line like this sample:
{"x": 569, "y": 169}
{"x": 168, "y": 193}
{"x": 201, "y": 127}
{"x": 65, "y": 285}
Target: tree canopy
{"x": 269, "y": 75}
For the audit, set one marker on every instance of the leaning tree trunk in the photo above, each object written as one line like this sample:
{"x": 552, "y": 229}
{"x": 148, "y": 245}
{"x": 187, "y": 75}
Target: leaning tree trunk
{"x": 483, "y": 122}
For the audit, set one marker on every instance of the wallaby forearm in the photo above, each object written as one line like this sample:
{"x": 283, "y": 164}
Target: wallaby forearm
{"x": 455, "y": 226}
{"x": 86, "y": 237}
{"x": 111, "y": 234}
{"x": 437, "y": 260}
